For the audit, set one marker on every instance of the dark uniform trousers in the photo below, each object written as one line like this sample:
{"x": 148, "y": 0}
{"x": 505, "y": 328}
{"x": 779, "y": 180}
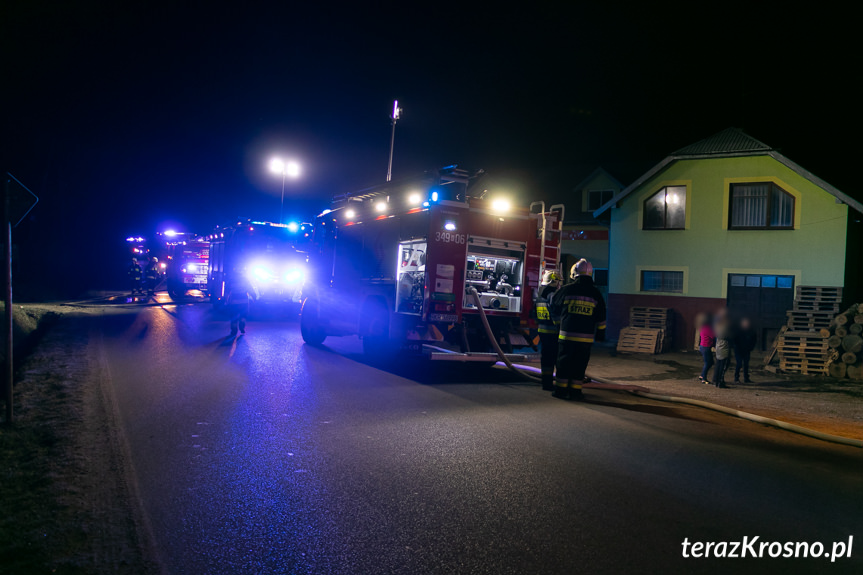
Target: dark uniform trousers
{"x": 547, "y": 357}
{"x": 572, "y": 360}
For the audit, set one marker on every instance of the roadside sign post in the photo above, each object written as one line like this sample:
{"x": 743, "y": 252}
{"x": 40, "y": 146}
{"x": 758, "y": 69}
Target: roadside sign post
{"x": 17, "y": 203}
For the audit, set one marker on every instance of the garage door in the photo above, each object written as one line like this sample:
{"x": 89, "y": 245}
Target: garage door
{"x": 764, "y": 299}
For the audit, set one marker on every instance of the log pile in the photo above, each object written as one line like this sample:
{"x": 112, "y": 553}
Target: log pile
{"x": 845, "y": 341}
{"x": 803, "y": 345}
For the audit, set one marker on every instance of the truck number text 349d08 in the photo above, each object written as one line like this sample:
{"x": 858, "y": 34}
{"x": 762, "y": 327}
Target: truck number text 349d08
{"x": 447, "y": 237}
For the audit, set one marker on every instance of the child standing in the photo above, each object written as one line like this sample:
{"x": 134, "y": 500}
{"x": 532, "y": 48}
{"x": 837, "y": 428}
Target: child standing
{"x": 707, "y": 339}
{"x": 722, "y": 331}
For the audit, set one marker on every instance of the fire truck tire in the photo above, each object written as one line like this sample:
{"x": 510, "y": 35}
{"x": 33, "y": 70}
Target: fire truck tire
{"x": 310, "y": 324}
{"x": 176, "y": 293}
{"x": 374, "y": 328}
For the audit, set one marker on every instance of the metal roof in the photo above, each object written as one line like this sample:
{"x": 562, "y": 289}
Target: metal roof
{"x": 729, "y": 143}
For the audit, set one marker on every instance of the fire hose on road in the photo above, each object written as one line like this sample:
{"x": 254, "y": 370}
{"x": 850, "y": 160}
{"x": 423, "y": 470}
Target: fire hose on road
{"x": 597, "y": 383}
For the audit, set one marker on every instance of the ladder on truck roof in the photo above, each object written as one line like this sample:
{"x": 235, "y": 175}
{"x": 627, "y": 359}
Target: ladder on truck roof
{"x": 551, "y": 235}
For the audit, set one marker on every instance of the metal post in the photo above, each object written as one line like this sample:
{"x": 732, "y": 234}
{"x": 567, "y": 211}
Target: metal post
{"x": 8, "y": 302}
{"x": 392, "y": 144}
{"x": 395, "y": 117}
{"x": 282, "y": 207}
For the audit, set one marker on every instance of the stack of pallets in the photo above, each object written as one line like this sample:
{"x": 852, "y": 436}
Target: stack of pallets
{"x": 640, "y": 340}
{"x": 647, "y": 332}
{"x": 802, "y": 347}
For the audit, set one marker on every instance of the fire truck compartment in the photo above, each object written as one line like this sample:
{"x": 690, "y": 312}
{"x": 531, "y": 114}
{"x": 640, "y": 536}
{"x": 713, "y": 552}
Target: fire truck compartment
{"x": 410, "y": 274}
{"x": 496, "y": 269}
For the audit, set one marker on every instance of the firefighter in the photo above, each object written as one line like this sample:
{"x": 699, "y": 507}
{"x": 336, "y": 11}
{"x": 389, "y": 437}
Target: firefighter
{"x": 152, "y": 275}
{"x": 135, "y": 274}
{"x": 241, "y": 292}
{"x": 581, "y": 310}
{"x": 548, "y": 327}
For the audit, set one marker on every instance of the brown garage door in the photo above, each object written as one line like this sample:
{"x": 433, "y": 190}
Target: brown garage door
{"x": 764, "y": 299}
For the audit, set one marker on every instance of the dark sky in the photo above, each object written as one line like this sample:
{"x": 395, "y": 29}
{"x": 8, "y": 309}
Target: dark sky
{"x": 122, "y": 116}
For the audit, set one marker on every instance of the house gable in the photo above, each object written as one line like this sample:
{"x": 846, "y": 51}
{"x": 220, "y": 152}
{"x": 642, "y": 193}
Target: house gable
{"x": 729, "y": 143}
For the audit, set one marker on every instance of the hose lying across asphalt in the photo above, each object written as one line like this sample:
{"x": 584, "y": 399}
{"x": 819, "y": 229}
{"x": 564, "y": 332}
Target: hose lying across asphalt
{"x": 471, "y": 291}
{"x": 525, "y": 370}
{"x": 646, "y": 393}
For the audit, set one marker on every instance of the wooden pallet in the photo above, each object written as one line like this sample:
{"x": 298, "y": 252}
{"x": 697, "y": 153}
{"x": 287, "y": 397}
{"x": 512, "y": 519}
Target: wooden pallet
{"x": 809, "y": 322}
{"x": 810, "y": 293}
{"x": 801, "y": 356}
{"x": 640, "y": 340}
{"x": 810, "y": 313}
{"x": 639, "y": 309}
{"x": 804, "y": 366}
{"x": 651, "y": 324}
{"x": 825, "y": 306}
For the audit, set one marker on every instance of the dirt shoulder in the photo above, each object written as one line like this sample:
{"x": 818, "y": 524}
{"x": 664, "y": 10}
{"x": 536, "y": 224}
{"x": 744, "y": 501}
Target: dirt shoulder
{"x": 66, "y": 502}
{"x": 820, "y": 403}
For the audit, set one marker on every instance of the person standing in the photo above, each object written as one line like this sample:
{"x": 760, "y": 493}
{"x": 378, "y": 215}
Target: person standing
{"x": 581, "y": 310}
{"x": 744, "y": 342}
{"x": 706, "y": 341}
{"x": 723, "y": 348}
{"x": 548, "y": 327}
{"x": 152, "y": 275}
{"x": 135, "y": 274}
{"x": 241, "y": 292}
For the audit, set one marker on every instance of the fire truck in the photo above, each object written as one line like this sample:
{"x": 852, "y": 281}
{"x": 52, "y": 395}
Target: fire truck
{"x": 268, "y": 254}
{"x": 429, "y": 266}
{"x": 188, "y": 258}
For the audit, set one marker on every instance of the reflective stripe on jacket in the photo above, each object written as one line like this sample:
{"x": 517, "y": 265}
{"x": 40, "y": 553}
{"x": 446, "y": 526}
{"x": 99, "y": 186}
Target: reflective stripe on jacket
{"x": 581, "y": 310}
{"x": 547, "y": 322}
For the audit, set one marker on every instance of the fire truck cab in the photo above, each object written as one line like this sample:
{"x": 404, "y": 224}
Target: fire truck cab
{"x": 268, "y": 254}
{"x": 188, "y": 258}
{"x": 395, "y": 265}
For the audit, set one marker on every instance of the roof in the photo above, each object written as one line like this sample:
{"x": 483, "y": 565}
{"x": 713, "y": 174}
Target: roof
{"x": 598, "y": 171}
{"x": 729, "y": 143}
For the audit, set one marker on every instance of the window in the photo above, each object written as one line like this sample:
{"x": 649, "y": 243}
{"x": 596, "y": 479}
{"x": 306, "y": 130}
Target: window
{"x": 760, "y": 281}
{"x": 666, "y": 209}
{"x": 598, "y": 198}
{"x": 760, "y": 206}
{"x": 600, "y": 277}
{"x": 669, "y": 282}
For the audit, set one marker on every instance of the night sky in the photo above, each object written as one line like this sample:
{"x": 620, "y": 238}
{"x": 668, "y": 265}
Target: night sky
{"x": 128, "y": 118}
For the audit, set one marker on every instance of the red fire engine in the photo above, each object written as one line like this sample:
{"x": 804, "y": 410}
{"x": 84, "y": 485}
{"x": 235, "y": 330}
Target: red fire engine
{"x": 420, "y": 265}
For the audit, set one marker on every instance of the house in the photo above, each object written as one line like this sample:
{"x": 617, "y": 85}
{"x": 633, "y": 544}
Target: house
{"x": 728, "y": 221}
{"x": 583, "y": 235}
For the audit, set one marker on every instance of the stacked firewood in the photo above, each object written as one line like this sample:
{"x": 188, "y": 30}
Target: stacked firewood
{"x": 845, "y": 338}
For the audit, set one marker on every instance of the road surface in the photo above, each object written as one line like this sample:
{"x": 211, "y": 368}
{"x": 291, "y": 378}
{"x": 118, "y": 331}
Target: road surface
{"x": 263, "y": 455}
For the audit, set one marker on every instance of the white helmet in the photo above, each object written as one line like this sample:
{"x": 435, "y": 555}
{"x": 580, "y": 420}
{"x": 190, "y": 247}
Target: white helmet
{"x": 549, "y": 277}
{"x": 581, "y": 268}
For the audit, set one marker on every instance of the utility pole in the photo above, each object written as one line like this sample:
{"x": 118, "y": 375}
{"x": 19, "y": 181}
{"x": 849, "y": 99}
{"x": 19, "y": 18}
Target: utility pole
{"x": 17, "y": 203}
{"x": 396, "y": 114}
{"x": 7, "y": 300}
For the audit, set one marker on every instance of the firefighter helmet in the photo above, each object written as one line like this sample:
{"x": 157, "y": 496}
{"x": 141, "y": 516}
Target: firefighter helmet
{"x": 549, "y": 277}
{"x": 581, "y": 268}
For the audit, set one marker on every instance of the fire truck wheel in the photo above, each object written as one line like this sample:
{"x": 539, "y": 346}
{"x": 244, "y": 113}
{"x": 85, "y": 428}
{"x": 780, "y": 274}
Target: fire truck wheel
{"x": 374, "y": 328}
{"x": 176, "y": 293}
{"x": 310, "y": 327}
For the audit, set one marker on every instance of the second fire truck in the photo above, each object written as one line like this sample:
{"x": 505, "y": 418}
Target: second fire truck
{"x": 425, "y": 266}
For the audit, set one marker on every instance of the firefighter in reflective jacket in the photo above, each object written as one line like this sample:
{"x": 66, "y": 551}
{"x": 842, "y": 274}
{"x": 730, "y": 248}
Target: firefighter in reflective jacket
{"x": 135, "y": 274}
{"x": 152, "y": 275}
{"x": 548, "y": 327}
{"x": 582, "y": 319}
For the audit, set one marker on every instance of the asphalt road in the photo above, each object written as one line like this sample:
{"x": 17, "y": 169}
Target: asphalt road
{"x": 263, "y": 455}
